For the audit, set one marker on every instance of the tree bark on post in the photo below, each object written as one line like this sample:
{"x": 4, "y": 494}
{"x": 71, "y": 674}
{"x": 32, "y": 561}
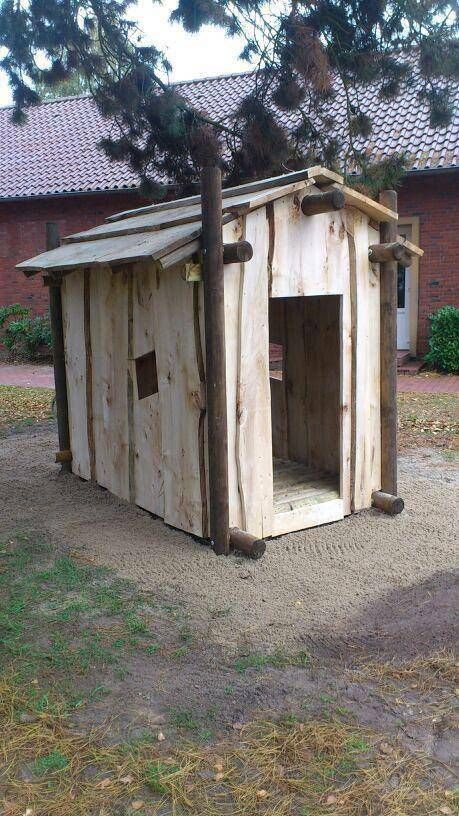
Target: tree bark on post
{"x": 60, "y": 380}
{"x": 388, "y": 349}
{"x": 214, "y": 316}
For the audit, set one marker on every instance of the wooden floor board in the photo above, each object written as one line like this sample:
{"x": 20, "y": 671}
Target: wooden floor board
{"x": 296, "y": 485}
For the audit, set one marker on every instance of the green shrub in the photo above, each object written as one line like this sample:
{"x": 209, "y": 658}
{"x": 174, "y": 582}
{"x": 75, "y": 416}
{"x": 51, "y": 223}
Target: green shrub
{"x": 444, "y": 339}
{"x": 22, "y": 334}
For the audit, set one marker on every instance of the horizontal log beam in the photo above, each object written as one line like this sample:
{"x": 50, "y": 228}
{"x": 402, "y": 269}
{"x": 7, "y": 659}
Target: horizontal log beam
{"x": 384, "y": 253}
{"x": 387, "y": 502}
{"x": 323, "y": 202}
{"x": 248, "y": 544}
{"x": 239, "y": 252}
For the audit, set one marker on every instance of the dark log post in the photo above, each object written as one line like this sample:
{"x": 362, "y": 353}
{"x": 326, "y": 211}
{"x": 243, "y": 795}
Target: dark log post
{"x": 323, "y": 202}
{"x": 388, "y": 503}
{"x": 214, "y": 315}
{"x": 248, "y": 544}
{"x": 239, "y": 252}
{"x": 388, "y": 347}
{"x": 60, "y": 381}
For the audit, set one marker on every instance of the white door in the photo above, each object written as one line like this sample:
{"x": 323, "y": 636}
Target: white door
{"x": 403, "y": 300}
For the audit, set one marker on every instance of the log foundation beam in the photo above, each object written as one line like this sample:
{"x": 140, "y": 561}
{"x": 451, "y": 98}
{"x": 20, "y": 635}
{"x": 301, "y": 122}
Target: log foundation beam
{"x": 248, "y": 544}
{"x": 239, "y": 252}
{"x": 323, "y": 202}
{"x": 393, "y": 505}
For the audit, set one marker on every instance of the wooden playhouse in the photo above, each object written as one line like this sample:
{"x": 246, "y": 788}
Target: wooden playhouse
{"x": 233, "y": 371}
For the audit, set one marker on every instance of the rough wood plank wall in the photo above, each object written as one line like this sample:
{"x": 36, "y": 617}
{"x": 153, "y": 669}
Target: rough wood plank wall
{"x": 75, "y": 361}
{"x": 181, "y": 401}
{"x": 309, "y": 253}
{"x": 109, "y": 341}
{"x": 249, "y": 411}
{"x": 366, "y": 400}
{"x": 148, "y": 475}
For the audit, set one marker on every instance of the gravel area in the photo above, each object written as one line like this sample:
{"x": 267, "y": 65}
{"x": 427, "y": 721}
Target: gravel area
{"x": 369, "y": 579}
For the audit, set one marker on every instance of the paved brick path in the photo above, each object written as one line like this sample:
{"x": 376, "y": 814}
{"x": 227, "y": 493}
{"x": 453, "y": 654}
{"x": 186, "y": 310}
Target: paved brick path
{"x": 28, "y": 376}
{"x": 429, "y": 384}
{"x": 43, "y": 377}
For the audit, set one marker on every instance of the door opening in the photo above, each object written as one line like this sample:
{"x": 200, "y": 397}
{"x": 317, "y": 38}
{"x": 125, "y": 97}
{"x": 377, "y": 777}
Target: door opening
{"x": 305, "y": 377}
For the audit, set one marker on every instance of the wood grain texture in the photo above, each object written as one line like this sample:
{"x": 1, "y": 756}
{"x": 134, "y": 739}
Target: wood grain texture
{"x": 253, "y": 410}
{"x": 310, "y": 253}
{"x": 109, "y": 340}
{"x": 367, "y": 367}
{"x": 181, "y": 401}
{"x": 75, "y": 359}
{"x": 148, "y": 473}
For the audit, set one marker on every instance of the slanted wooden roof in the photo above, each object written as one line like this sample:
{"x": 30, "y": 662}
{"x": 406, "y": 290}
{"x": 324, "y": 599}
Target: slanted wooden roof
{"x": 170, "y": 231}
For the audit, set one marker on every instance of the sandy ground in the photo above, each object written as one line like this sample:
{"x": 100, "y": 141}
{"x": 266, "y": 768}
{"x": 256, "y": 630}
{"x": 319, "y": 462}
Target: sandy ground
{"x": 372, "y": 580}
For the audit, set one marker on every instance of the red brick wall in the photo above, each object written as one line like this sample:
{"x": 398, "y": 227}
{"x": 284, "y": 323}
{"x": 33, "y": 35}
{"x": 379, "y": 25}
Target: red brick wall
{"x": 23, "y": 235}
{"x": 435, "y": 200}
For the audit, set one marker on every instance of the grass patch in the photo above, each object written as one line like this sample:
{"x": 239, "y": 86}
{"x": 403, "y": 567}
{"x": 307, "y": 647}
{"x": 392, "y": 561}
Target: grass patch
{"x": 428, "y": 419}
{"x": 20, "y": 407}
{"x": 277, "y": 660}
{"x": 313, "y": 767}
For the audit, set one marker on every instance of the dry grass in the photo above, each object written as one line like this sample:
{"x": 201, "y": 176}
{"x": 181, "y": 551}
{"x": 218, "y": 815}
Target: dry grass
{"x": 427, "y": 674}
{"x": 24, "y": 406}
{"x": 428, "y": 419}
{"x": 277, "y": 769}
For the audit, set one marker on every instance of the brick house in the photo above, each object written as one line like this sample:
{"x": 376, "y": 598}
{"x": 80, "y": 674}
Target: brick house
{"x": 52, "y": 170}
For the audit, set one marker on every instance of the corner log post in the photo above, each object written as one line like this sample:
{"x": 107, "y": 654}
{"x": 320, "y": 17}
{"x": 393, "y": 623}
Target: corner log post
{"x": 214, "y": 317}
{"x": 64, "y": 455}
{"x": 388, "y": 357}
{"x": 317, "y": 203}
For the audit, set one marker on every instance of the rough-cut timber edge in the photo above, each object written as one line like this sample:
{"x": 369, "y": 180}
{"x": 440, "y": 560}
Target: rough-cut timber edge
{"x": 239, "y": 252}
{"x": 393, "y": 505}
{"x": 248, "y": 544}
{"x": 214, "y": 319}
{"x": 202, "y": 413}
{"x": 323, "y": 202}
{"x": 353, "y": 303}
{"x": 57, "y": 333}
{"x": 130, "y": 386}
{"x": 88, "y": 354}
{"x": 388, "y": 346}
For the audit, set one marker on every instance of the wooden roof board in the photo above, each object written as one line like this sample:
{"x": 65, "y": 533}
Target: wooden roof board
{"x": 122, "y": 249}
{"x": 165, "y": 219}
{"x": 372, "y": 208}
{"x": 320, "y": 174}
{"x": 412, "y": 248}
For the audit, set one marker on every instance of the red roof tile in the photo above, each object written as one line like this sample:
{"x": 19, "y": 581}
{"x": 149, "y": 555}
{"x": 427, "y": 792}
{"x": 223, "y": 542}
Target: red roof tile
{"x": 56, "y": 150}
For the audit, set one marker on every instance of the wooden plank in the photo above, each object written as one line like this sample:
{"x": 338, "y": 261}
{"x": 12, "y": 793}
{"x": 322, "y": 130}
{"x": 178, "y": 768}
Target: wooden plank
{"x": 130, "y": 374}
{"x": 366, "y": 205}
{"x": 233, "y": 285}
{"x": 367, "y": 368}
{"x": 318, "y": 173}
{"x": 278, "y": 386}
{"x": 75, "y": 363}
{"x": 109, "y": 329}
{"x": 123, "y": 249}
{"x": 89, "y": 373}
{"x": 253, "y": 431}
{"x": 181, "y": 401}
{"x": 306, "y": 517}
{"x": 296, "y": 375}
{"x": 148, "y": 471}
{"x": 310, "y": 253}
{"x": 199, "y": 345}
{"x": 412, "y": 248}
